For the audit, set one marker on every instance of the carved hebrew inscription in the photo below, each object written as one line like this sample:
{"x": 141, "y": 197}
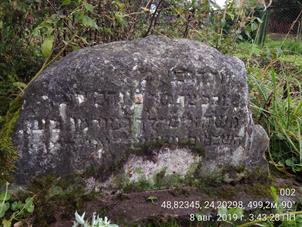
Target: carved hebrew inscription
{"x": 190, "y": 107}
{"x": 180, "y": 107}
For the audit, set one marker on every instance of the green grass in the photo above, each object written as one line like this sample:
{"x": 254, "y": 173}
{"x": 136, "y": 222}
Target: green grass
{"x": 294, "y": 59}
{"x": 289, "y": 46}
{"x": 275, "y": 81}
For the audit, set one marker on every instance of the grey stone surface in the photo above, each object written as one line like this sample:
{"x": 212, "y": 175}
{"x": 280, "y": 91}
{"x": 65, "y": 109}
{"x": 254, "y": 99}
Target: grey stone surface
{"x": 95, "y": 108}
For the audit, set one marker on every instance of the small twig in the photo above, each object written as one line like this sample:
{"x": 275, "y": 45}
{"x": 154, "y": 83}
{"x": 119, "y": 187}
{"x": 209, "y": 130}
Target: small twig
{"x": 44, "y": 66}
{"x": 157, "y": 17}
{"x": 224, "y": 16}
{"x": 189, "y": 19}
{"x": 291, "y": 28}
{"x": 152, "y": 19}
{"x": 148, "y": 3}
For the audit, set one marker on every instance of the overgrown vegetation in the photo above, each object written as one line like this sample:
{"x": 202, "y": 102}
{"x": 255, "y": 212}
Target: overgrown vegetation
{"x": 8, "y": 153}
{"x": 12, "y": 209}
{"x": 275, "y": 91}
{"x": 35, "y": 33}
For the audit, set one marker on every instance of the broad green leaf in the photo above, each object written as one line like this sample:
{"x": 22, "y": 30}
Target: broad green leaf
{"x": 119, "y": 18}
{"x": 17, "y": 205}
{"x": 120, "y": 5}
{"x": 46, "y": 47}
{"x": 88, "y": 7}
{"x": 66, "y": 2}
{"x": 89, "y": 22}
{"x": 3, "y": 208}
{"x": 254, "y": 26}
{"x": 5, "y": 196}
{"x": 289, "y": 162}
{"x": 20, "y": 85}
{"x": 29, "y": 205}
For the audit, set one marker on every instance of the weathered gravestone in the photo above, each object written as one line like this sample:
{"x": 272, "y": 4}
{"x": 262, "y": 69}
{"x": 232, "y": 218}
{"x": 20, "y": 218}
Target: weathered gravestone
{"x": 108, "y": 107}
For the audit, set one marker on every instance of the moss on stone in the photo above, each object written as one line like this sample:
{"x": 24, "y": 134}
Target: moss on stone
{"x": 259, "y": 189}
{"x": 8, "y": 152}
{"x": 160, "y": 180}
{"x": 259, "y": 174}
{"x": 163, "y": 180}
{"x": 124, "y": 183}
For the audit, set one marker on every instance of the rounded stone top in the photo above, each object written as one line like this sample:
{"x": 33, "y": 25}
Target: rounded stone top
{"x": 98, "y": 106}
